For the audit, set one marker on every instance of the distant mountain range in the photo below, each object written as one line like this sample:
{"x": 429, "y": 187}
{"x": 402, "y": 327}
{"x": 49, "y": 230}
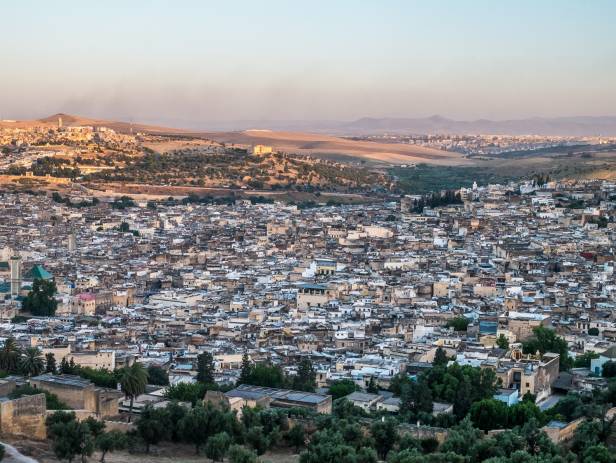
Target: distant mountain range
{"x": 563, "y": 126}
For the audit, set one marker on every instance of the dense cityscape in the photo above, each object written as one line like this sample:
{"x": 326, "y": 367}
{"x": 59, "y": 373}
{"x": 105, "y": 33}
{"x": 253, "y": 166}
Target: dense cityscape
{"x": 308, "y": 232}
{"x": 476, "y": 145}
{"x": 358, "y": 312}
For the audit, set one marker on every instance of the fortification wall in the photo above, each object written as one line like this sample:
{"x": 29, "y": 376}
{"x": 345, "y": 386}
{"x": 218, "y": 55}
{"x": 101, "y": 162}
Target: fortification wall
{"x": 24, "y": 417}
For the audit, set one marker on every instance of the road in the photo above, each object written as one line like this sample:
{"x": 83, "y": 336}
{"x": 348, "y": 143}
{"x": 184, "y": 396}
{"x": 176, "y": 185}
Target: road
{"x": 12, "y": 455}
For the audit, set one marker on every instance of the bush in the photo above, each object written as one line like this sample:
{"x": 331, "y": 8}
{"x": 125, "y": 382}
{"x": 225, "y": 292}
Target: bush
{"x": 240, "y": 454}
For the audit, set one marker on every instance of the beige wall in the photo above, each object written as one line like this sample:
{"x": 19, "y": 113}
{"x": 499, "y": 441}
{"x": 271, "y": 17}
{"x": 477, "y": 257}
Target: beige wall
{"x": 24, "y": 417}
{"x": 94, "y": 360}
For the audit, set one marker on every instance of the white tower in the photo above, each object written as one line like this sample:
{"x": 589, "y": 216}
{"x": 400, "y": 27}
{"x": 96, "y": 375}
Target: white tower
{"x": 72, "y": 242}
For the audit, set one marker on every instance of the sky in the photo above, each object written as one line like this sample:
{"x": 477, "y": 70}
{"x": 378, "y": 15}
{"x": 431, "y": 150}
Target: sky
{"x": 190, "y": 63}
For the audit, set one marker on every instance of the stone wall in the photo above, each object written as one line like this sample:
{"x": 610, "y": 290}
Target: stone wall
{"x": 24, "y": 417}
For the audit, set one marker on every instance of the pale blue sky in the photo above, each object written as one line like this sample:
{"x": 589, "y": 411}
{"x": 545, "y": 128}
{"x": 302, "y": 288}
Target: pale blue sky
{"x": 197, "y": 61}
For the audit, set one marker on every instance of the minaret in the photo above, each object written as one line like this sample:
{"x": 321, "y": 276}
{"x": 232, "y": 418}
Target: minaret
{"x": 59, "y": 122}
{"x": 72, "y": 242}
{"x": 15, "y": 266}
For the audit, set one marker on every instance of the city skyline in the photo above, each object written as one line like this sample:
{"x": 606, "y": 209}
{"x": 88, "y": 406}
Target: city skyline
{"x": 195, "y": 64}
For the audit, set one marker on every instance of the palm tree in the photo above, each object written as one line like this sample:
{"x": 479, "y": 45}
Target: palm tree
{"x": 133, "y": 380}
{"x": 9, "y": 355}
{"x": 31, "y": 362}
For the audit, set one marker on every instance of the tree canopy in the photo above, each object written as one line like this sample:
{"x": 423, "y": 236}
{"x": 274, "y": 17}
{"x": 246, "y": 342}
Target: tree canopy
{"x": 41, "y": 300}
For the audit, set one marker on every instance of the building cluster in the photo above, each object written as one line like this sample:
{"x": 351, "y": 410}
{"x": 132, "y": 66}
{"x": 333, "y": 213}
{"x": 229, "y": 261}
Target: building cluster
{"x": 365, "y": 292}
{"x": 21, "y": 139}
{"x": 490, "y": 144}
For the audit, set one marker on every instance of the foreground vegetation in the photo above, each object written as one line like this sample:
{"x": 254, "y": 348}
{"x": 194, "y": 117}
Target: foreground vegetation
{"x": 350, "y": 434}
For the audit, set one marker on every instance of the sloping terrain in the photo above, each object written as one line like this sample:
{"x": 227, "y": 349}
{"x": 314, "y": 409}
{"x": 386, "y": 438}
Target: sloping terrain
{"x": 318, "y": 145}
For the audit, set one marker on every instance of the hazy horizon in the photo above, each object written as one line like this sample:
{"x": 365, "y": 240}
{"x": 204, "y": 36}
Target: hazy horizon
{"x": 198, "y": 63}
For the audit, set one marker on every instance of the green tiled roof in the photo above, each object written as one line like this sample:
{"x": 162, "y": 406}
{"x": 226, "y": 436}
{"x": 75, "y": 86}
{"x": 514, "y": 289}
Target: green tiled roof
{"x": 38, "y": 273}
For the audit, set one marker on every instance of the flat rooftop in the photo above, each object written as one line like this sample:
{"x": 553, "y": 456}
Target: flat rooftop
{"x": 246, "y": 391}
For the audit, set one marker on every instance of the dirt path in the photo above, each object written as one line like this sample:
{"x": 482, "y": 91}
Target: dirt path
{"x": 12, "y": 455}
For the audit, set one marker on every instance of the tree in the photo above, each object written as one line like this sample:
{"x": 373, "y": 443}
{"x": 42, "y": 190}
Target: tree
{"x": 440, "y": 357}
{"x": 240, "y": 454}
{"x": 372, "y": 387}
{"x": 256, "y": 438}
{"x": 109, "y": 442}
{"x": 70, "y": 437}
{"x": 342, "y": 388}
{"x": 41, "y": 300}
{"x": 50, "y": 363}
{"x": 96, "y": 427}
{"x": 205, "y": 368}
{"x": 266, "y": 376}
{"x": 461, "y": 438}
{"x": 489, "y": 414}
{"x": 570, "y": 407}
{"x": 328, "y": 446}
{"x": 536, "y": 441}
{"x": 152, "y": 426}
{"x": 416, "y": 397}
{"x": 502, "y": 342}
{"x": 597, "y": 454}
{"x": 305, "y": 380}
{"x": 523, "y": 412}
{"x": 31, "y": 362}
{"x": 246, "y": 372}
{"x": 157, "y": 376}
{"x": 133, "y": 381}
{"x": 9, "y": 355}
{"x": 296, "y": 436}
{"x": 385, "y": 436}
{"x": 460, "y": 385}
{"x": 397, "y": 382}
{"x": 609, "y": 369}
{"x": 194, "y": 427}
{"x": 408, "y": 442}
{"x": 545, "y": 340}
{"x": 593, "y": 331}
{"x": 458, "y": 323}
{"x": 366, "y": 455}
{"x": 68, "y": 368}
{"x": 217, "y": 446}
{"x": 175, "y": 413}
{"x": 186, "y": 392}
{"x": 584, "y": 360}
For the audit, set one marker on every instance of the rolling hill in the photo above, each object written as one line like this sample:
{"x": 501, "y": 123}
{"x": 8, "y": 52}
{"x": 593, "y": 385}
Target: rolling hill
{"x": 316, "y": 145}
{"x": 319, "y": 145}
